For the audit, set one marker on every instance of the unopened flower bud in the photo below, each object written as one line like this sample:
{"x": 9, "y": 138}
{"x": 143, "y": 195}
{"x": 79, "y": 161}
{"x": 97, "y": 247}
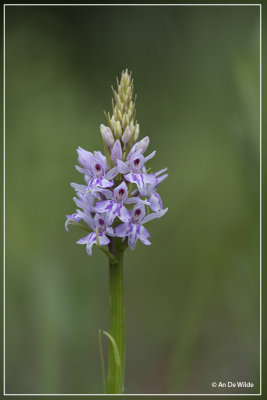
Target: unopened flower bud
{"x": 129, "y": 91}
{"x": 118, "y": 129}
{"x": 125, "y": 120}
{"x": 126, "y": 136}
{"x": 132, "y": 126}
{"x": 113, "y": 123}
{"x": 142, "y": 145}
{"x": 107, "y": 135}
{"x": 137, "y": 131}
{"x": 119, "y": 115}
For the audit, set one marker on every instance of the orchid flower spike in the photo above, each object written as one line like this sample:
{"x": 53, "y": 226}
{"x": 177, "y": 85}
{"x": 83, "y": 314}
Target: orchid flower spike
{"x": 118, "y": 195}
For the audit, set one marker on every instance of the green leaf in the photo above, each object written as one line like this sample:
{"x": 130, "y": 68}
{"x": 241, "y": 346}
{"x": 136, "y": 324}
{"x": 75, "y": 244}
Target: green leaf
{"x": 117, "y": 359}
{"x": 102, "y": 360}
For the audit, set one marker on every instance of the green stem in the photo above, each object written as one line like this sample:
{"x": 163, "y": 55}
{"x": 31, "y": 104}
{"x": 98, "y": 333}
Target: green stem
{"x": 116, "y": 328}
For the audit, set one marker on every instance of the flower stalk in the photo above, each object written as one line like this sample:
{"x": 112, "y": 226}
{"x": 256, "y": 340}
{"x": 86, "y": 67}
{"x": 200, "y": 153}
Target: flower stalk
{"x": 116, "y": 323}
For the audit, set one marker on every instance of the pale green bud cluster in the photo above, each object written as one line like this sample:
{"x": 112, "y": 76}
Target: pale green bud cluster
{"x": 122, "y": 124}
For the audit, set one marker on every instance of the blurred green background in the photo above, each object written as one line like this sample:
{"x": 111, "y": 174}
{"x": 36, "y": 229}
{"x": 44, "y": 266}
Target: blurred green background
{"x": 192, "y": 298}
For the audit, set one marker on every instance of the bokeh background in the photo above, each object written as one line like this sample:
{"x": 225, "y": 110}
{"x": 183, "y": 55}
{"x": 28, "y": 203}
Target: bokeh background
{"x": 192, "y": 298}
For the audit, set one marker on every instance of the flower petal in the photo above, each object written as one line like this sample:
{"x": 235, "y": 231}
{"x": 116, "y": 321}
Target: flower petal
{"x": 85, "y": 239}
{"x": 139, "y": 147}
{"x": 123, "y": 229}
{"x": 151, "y": 155}
{"x": 160, "y": 171}
{"x": 123, "y": 213}
{"x": 103, "y": 239}
{"x": 83, "y": 171}
{"x": 116, "y": 152}
{"x": 123, "y": 167}
{"x": 101, "y": 182}
{"x": 112, "y": 173}
{"x": 150, "y": 179}
{"x": 161, "y": 178}
{"x": 78, "y": 188}
{"x": 136, "y": 200}
{"x": 151, "y": 216}
{"x": 112, "y": 213}
{"x": 91, "y": 241}
{"x": 155, "y": 202}
{"x": 138, "y": 179}
{"x": 87, "y": 218}
{"x": 100, "y": 157}
{"x": 74, "y": 217}
{"x": 106, "y": 192}
{"x": 110, "y": 231}
{"x": 132, "y": 237}
{"x": 143, "y": 235}
{"x": 85, "y": 158}
{"x": 102, "y": 206}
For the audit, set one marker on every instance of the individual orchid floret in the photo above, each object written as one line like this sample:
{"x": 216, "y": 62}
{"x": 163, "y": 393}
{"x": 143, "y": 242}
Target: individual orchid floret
{"x": 99, "y": 234}
{"x": 114, "y": 207}
{"x": 134, "y": 229}
{"x": 95, "y": 168}
{"x": 135, "y": 175}
{"x": 152, "y": 188}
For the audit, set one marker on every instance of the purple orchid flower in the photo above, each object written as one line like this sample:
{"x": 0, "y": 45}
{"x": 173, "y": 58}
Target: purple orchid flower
{"x": 85, "y": 201}
{"x": 102, "y": 229}
{"x": 155, "y": 202}
{"x": 134, "y": 229}
{"x": 132, "y": 171}
{"x": 95, "y": 169}
{"x": 114, "y": 206}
